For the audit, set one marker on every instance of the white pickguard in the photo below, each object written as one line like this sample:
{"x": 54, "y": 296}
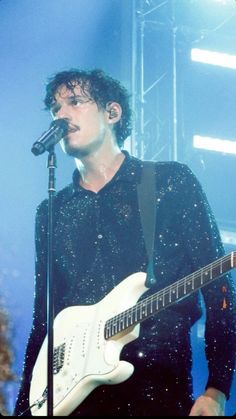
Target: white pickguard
{"x": 85, "y": 358}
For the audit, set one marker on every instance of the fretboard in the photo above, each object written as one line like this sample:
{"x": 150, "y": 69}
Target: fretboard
{"x": 169, "y": 295}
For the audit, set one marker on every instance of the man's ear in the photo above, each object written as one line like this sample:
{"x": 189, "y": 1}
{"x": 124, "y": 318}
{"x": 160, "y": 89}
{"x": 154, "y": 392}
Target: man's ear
{"x": 114, "y": 111}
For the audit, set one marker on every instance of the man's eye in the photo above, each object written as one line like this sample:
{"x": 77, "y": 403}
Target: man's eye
{"x": 75, "y": 101}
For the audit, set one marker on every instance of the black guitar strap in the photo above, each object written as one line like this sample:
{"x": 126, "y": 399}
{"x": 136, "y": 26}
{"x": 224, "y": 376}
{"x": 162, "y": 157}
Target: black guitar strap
{"x": 147, "y": 206}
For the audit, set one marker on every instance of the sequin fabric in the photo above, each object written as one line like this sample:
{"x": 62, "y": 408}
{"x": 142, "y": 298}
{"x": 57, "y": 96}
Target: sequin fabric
{"x": 98, "y": 242}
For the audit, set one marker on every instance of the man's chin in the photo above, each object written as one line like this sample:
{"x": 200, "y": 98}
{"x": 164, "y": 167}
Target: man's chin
{"x": 75, "y": 151}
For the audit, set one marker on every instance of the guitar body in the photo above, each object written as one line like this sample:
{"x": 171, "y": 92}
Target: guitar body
{"x": 83, "y": 358}
{"x": 88, "y": 339}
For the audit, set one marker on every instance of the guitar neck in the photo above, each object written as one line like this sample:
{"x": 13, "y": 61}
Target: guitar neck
{"x": 169, "y": 295}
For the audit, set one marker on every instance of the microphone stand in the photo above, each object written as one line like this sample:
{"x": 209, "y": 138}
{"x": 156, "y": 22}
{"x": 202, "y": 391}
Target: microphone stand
{"x": 47, "y": 141}
{"x": 50, "y": 303}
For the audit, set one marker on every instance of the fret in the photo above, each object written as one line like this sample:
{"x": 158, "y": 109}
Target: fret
{"x": 145, "y": 311}
{"x": 174, "y": 293}
{"x": 108, "y": 330}
{"x": 140, "y": 312}
{"x": 132, "y": 317}
{"x": 184, "y": 287}
{"x": 161, "y": 300}
{"x": 166, "y": 296}
{"x": 151, "y": 305}
{"x": 188, "y": 286}
{"x": 118, "y": 323}
{"x": 121, "y": 323}
{"x": 201, "y": 277}
{"x": 157, "y": 306}
{"x": 136, "y": 314}
{"x": 192, "y": 282}
{"x": 114, "y": 328}
{"x": 129, "y": 318}
{"x": 126, "y": 321}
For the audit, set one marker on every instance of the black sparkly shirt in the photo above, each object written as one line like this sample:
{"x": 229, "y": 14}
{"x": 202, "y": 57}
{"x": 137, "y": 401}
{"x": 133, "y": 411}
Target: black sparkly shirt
{"x": 98, "y": 242}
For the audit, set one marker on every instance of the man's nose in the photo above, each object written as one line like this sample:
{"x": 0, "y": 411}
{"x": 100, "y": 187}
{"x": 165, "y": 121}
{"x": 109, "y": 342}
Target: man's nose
{"x": 63, "y": 113}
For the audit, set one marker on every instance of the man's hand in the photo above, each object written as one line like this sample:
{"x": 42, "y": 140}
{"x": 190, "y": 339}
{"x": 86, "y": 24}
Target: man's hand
{"x": 211, "y": 403}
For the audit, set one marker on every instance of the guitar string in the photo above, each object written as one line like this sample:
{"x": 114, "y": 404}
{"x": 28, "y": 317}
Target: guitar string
{"x": 112, "y": 322}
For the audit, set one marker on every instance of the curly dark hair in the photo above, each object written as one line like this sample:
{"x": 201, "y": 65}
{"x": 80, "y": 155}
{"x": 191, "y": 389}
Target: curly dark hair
{"x": 99, "y": 87}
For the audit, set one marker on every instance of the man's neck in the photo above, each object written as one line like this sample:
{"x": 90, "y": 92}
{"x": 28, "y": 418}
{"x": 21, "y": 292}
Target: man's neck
{"x": 99, "y": 168}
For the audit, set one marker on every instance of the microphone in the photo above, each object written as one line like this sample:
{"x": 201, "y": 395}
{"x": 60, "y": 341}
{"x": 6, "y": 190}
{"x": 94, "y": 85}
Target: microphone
{"x": 58, "y": 129}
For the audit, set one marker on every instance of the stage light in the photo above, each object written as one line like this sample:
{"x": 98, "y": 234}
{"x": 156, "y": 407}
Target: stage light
{"x": 214, "y": 144}
{"x": 213, "y": 58}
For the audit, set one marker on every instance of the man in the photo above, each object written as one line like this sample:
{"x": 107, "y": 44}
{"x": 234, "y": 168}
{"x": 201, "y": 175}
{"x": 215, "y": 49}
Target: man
{"x": 99, "y": 241}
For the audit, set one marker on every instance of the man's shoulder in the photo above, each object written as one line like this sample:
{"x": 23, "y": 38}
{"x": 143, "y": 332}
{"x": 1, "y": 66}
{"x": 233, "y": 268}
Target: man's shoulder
{"x": 62, "y": 196}
{"x": 168, "y": 166}
{"x": 65, "y": 193}
{"x": 166, "y": 170}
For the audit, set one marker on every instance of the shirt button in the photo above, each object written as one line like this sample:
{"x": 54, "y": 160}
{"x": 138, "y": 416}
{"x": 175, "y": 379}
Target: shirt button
{"x": 100, "y": 236}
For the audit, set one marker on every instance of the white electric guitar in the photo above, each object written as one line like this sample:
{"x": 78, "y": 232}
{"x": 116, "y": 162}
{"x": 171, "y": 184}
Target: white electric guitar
{"x": 88, "y": 339}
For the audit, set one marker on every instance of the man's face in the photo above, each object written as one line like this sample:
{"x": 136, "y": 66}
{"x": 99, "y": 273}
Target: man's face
{"x": 88, "y": 125}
